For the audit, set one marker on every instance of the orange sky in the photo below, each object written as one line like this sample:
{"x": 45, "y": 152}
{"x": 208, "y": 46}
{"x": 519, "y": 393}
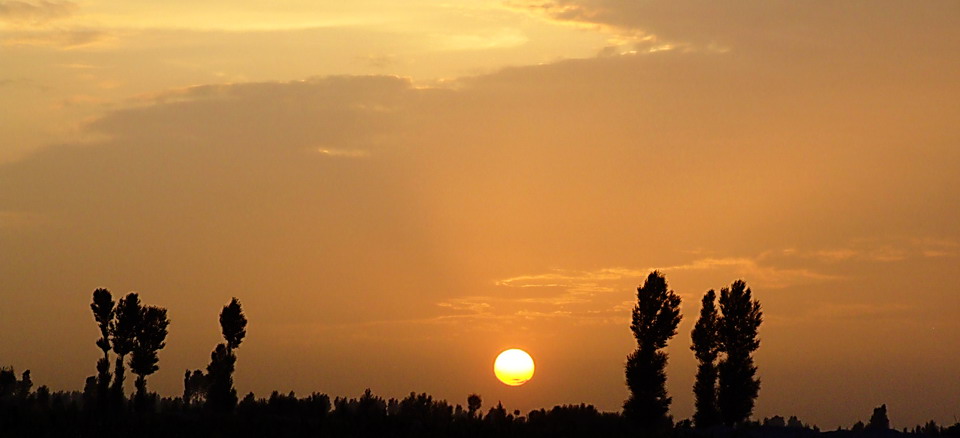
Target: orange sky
{"x": 398, "y": 193}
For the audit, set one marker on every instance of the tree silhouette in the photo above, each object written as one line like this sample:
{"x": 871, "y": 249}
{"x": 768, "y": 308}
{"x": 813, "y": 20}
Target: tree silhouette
{"x": 23, "y": 387}
{"x": 740, "y": 320}
{"x": 233, "y": 324}
{"x": 8, "y": 382}
{"x": 194, "y": 388}
{"x": 474, "y": 403}
{"x": 124, "y": 330}
{"x": 879, "y": 420}
{"x": 221, "y": 395}
{"x": 775, "y": 421}
{"x": 90, "y": 391}
{"x": 102, "y": 307}
{"x": 497, "y": 416}
{"x": 706, "y": 347}
{"x": 655, "y": 319}
{"x": 150, "y": 335}
{"x": 794, "y": 422}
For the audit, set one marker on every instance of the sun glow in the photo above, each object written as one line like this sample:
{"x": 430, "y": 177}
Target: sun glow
{"x": 513, "y": 367}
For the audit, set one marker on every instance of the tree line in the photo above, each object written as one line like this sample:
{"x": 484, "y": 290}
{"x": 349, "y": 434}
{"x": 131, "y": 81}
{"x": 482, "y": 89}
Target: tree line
{"x": 132, "y": 334}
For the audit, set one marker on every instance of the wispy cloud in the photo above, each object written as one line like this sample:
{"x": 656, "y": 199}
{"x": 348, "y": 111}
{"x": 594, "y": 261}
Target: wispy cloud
{"x": 80, "y": 66}
{"x": 757, "y": 270}
{"x": 602, "y": 280}
{"x": 343, "y": 153}
{"x": 622, "y": 40}
{"x": 930, "y": 247}
{"x": 884, "y": 251}
{"x": 591, "y": 296}
{"x": 35, "y": 13}
{"x": 470, "y": 305}
{"x": 507, "y": 309}
{"x": 586, "y": 297}
{"x": 66, "y": 38}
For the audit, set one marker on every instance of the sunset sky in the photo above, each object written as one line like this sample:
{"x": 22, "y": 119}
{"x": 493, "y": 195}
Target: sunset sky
{"x": 399, "y": 190}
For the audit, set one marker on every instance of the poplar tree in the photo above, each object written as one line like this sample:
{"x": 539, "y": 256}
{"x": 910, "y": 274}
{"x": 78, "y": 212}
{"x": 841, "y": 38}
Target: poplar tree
{"x": 654, "y": 321}
{"x": 102, "y": 307}
{"x": 221, "y": 395}
{"x": 706, "y": 348}
{"x": 738, "y": 333}
{"x": 151, "y": 332}
{"x": 233, "y": 324}
{"x": 124, "y": 330}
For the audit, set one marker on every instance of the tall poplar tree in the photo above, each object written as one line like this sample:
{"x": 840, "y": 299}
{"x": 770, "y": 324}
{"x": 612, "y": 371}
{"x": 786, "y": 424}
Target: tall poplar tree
{"x": 706, "y": 348}
{"x": 124, "y": 330}
{"x": 102, "y": 307}
{"x": 655, "y": 319}
{"x": 221, "y": 395}
{"x": 738, "y": 333}
{"x": 151, "y": 333}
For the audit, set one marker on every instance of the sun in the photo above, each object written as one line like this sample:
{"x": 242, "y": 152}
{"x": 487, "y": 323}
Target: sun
{"x": 513, "y": 367}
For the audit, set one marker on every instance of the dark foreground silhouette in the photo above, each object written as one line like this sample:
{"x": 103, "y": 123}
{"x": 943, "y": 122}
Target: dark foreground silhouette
{"x": 724, "y": 340}
{"x": 42, "y": 414}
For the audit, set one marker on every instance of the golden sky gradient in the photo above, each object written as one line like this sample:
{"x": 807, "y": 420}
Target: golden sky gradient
{"x": 398, "y": 191}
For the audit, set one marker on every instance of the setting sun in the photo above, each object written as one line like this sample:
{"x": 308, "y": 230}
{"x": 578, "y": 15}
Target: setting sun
{"x": 513, "y": 367}
{"x": 398, "y": 190}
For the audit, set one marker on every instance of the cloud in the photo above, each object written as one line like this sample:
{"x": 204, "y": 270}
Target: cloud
{"x": 836, "y": 254}
{"x": 884, "y": 250}
{"x": 61, "y": 38}
{"x": 36, "y": 23}
{"x": 579, "y": 286}
{"x": 751, "y": 24}
{"x": 533, "y": 197}
{"x": 930, "y": 247}
{"x": 343, "y": 153}
{"x": 468, "y": 305}
{"x": 768, "y": 270}
{"x": 597, "y": 295}
{"x": 500, "y": 310}
{"x": 756, "y": 272}
{"x": 33, "y": 13}
{"x": 496, "y": 176}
